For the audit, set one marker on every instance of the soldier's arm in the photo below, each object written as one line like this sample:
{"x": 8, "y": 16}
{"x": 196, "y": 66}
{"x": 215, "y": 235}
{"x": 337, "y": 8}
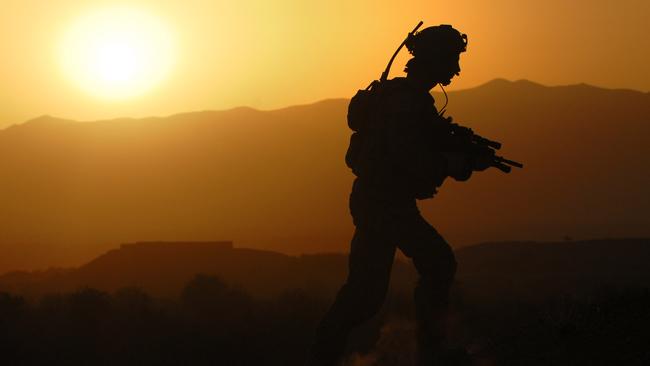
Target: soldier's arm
{"x": 409, "y": 139}
{"x": 459, "y": 165}
{"x": 454, "y": 150}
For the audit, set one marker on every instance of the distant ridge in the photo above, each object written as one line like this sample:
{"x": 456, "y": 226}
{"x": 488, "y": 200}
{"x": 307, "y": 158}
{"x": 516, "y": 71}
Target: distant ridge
{"x": 494, "y": 83}
{"x": 156, "y": 245}
{"x": 499, "y": 82}
{"x": 525, "y": 83}
{"x": 46, "y": 120}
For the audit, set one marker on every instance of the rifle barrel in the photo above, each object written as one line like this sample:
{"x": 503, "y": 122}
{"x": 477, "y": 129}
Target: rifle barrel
{"x": 501, "y": 159}
{"x": 502, "y": 167}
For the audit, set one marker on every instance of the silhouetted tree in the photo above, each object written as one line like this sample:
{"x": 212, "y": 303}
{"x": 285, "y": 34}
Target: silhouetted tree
{"x": 11, "y": 307}
{"x": 88, "y": 304}
{"x": 209, "y": 297}
{"x": 133, "y": 301}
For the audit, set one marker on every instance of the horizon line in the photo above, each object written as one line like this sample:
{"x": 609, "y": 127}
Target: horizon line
{"x": 254, "y": 109}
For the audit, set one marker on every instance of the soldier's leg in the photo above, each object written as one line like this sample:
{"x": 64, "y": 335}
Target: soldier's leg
{"x": 436, "y": 266}
{"x": 371, "y": 259}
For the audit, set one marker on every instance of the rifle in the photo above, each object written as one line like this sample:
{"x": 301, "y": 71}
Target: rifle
{"x": 483, "y": 145}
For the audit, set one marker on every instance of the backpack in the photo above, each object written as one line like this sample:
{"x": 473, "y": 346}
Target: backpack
{"x": 365, "y": 119}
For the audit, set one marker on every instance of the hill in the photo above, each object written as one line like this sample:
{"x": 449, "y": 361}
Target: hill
{"x": 163, "y": 268}
{"x": 275, "y": 180}
{"x": 498, "y": 272}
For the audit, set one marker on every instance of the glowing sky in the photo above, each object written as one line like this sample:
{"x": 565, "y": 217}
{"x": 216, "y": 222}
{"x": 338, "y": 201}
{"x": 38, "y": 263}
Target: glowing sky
{"x": 271, "y": 54}
{"x": 117, "y": 53}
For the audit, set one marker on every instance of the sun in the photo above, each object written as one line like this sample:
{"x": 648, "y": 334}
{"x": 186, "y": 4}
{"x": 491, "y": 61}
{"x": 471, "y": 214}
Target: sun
{"x": 117, "y": 53}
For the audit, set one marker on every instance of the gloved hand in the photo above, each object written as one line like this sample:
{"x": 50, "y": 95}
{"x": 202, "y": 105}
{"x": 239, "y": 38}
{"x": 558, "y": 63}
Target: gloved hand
{"x": 459, "y": 165}
{"x": 482, "y": 159}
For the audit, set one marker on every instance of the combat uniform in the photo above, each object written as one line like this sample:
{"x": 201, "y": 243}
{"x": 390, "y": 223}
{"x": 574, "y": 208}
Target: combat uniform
{"x": 384, "y": 211}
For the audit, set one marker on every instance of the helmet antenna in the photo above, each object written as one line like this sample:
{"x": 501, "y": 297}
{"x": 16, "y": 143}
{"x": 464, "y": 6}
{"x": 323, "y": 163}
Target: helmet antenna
{"x": 384, "y": 75}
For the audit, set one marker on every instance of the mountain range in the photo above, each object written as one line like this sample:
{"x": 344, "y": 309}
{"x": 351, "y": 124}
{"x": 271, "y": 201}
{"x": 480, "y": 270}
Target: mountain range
{"x": 276, "y": 180}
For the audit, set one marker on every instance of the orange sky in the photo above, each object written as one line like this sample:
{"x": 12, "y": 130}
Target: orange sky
{"x": 272, "y": 54}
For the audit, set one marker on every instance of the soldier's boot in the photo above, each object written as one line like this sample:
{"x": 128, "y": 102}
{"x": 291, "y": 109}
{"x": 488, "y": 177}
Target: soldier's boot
{"x": 431, "y": 303}
{"x": 448, "y": 357}
{"x": 325, "y": 357}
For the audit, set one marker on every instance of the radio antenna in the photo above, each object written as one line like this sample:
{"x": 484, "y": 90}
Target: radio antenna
{"x": 384, "y": 75}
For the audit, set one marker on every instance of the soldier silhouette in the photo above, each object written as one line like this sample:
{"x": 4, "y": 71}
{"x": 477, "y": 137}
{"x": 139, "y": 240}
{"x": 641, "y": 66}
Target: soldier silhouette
{"x": 402, "y": 151}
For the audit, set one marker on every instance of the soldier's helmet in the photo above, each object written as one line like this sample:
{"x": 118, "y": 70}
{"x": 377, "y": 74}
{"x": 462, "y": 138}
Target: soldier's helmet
{"x": 435, "y": 41}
